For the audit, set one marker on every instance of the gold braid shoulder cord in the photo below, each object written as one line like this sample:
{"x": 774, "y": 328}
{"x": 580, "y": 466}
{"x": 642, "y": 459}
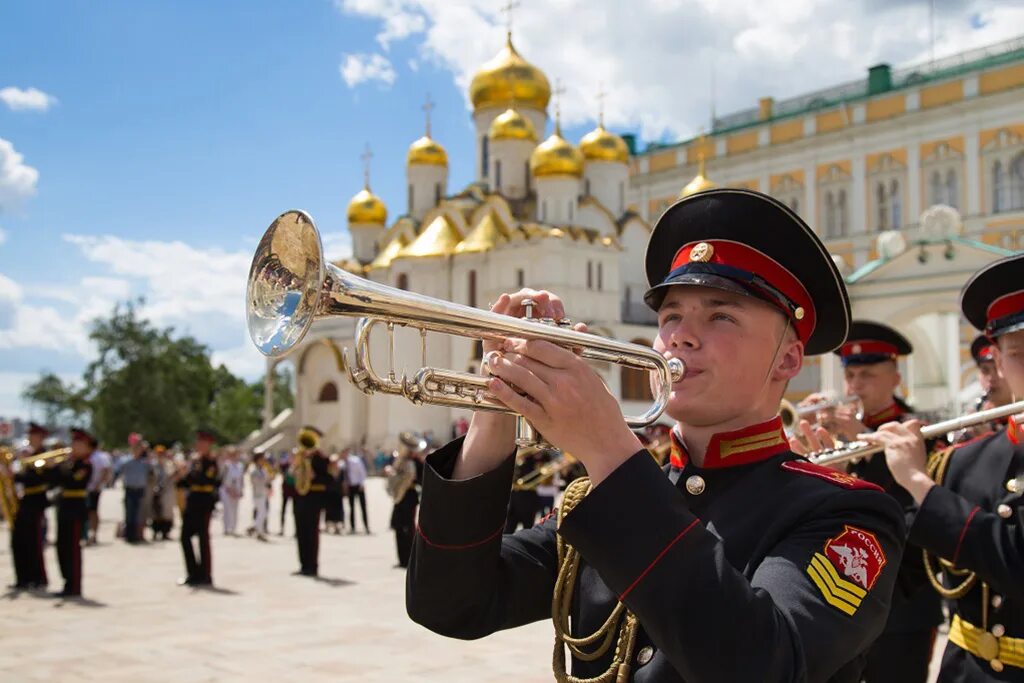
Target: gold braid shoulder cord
{"x": 938, "y": 464}
{"x": 561, "y": 606}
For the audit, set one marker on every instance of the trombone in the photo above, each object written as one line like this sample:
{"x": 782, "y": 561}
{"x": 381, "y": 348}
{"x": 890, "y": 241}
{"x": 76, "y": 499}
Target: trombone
{"x": 290, "y": 285}
{"x": 855, "y": 450}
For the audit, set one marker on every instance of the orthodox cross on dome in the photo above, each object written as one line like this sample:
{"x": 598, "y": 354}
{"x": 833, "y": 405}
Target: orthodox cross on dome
{"x": 601, "y": 95}
{"x": 702, "y": 141}
{"x": 557, "y": 93}
{"x": 366, "y": 157}
{"x": 428, "y": 107}
{"x": 507, "y": 9}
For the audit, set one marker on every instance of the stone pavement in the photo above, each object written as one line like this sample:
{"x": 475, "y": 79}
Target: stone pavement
{"x": 258, "y": 624}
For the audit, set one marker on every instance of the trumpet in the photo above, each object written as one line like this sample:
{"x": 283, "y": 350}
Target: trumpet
{"x": 792, "y": 414}
{"x": 9, "y": 502}
{"x": 855, "y": 450}
{"x": 290, "y": 285}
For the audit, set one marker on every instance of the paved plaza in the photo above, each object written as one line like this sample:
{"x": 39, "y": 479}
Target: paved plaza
{"x": 259, "y": 623}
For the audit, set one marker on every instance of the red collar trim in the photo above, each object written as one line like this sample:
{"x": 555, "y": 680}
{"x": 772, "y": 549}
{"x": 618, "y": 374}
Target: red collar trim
{"x": 885, "y": 415}
{"x": 1013, "y": 431}
{"x": 741, "y": 447}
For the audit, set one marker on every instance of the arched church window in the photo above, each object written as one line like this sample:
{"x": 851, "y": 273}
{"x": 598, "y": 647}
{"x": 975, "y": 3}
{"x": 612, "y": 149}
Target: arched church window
{"x": 437, "y": 193}
{"x": 497, "y": 174}
{"x": 586, "y": 187}
{"x": 410, "y": 198}
{"x": 1017, "y": 183}
{"x": 471, "y": 288}
{"x": 544, "y": 210}
{"x": 590, "y": 275}
{"x": 937, "y": 194}
{"x": 622, "y": 198}
{"x": 952, "y": 189}
{"x": 636, "y": 384}
{"x": 570, "y": 210}
{"x": 998, "y": 189}
{"x": 526, "y": 174}
{"x": 895, "y": 205}
{"x": 520, "y": 278}
{"x": 403, "y": 281}
{"x": 600, "y": 276}
{"x": 485, "y": 157}
{"x": 328, "y": 393}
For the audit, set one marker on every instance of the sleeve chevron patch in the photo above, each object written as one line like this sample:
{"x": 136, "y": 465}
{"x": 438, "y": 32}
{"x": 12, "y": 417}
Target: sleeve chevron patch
{"x": 844, "y": 595}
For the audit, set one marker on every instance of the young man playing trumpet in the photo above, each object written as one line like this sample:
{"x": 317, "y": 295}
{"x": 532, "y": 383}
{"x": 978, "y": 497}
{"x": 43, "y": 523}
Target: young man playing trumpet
{"x": 744, "y": 562}
{"x": 969, "y": 498}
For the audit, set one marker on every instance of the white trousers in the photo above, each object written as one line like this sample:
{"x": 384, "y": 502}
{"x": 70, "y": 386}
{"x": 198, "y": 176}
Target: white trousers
{"x": 260, "y": 506}
{"x": 230, "y": 512}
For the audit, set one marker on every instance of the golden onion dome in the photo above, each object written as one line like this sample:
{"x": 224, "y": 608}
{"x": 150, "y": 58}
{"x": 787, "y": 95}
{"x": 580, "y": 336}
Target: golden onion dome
{"x": 366, "y": 207}
{"x": 508, "y": 78}
{"x": 428, "y": 152}
{"x": 699, "y": 183}
{"x": 511, "y": 125}
{"x": 556, "y": 156}
{"x": 602, "y": 145}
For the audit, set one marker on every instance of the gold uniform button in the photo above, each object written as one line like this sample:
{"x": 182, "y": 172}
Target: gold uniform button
{"x": 1004, "y": 511}
{"x": 1013, "y": 486}
{"x": 996, "y": 665}
{"x": 702, "y": 253}
{"x": 988, "y": 646}
{"x": 999, "y": 630}
{"x": 799, "y": 313}
{"x": 997, "y": 601}
{"x": 695, "y": 485}
{"x": 645, "y": 655}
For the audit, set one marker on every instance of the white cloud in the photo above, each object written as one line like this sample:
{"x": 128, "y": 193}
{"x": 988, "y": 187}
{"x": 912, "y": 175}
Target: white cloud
{"x": 17, "y": 180}
{"x": 13, "y": 383}
{"x": 337, "y": 246}
{"x": 364, "y": 68}
{"x": 31, "y": 99}
{"x": 655, "y": 57}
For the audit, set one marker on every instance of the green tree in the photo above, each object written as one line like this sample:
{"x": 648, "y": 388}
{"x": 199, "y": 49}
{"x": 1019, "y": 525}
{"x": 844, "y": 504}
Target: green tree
{"x": 60, "y": 403}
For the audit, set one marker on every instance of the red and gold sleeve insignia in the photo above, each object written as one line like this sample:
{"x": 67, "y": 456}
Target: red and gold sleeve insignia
{"x": 847, "y": 568}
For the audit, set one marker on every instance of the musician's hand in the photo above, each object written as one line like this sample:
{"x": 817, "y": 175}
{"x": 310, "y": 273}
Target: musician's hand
{"x": 491, "y": 436}
{"x": 905, "y": 455}
{"x": 810, "y": 439}
{"x": 566, "y": 401}
{"x": 845, "y": 423}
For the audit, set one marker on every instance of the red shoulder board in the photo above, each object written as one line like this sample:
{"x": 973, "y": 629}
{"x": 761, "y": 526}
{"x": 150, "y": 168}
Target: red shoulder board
{"x": 846, "y": 481}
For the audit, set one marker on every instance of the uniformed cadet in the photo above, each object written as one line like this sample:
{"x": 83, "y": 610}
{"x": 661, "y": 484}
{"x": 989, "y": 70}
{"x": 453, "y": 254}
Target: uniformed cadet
{"x": 974, "y": 520}
{"x": 870, "y": 368}
{"x": 27, "y": 530}
{"x": 309, "y": 503}
{"x": 202, "y": 484}
{"x": 73, "y": 478}
{"x": 739, "y": 561}
{"x": 404, "y": 476}
{"x": 524, "y": 503}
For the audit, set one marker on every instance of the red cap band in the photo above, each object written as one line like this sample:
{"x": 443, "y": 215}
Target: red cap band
{"x": 865, "y": 346}
{"x": 744, "y": 257}
{"x": 1008, "y": 304}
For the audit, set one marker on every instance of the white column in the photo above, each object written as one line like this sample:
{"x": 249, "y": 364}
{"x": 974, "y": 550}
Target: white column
{"x": 268, "y": 392}
{"x": 858, "y": 197}
{"x": 972, "y": 154}
{"x": 952, "y": 339}
{"x": 913, "y": 184}
{"x": 829, "y": 379}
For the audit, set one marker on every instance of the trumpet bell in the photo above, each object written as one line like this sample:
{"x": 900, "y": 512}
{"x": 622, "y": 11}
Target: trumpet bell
{"x": 284, "y": 284}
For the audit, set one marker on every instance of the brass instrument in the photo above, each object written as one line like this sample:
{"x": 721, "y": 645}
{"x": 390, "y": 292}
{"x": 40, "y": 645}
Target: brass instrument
{"x": 531, "y": 480}
{"x": 302, "y": 467}
{"x": 290, "y": 285}
{"x": 402, "y": 477}
{"x": 856, "y": 450}
{"x": 791, "y": 414}
{"x": 8, "y": 493}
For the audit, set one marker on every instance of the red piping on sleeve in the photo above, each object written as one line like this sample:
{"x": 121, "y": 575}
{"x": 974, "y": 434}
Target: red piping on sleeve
{"x": 466, "y": 546}
{"x": 963, "y": 533}
{"x": 656, "y": 559}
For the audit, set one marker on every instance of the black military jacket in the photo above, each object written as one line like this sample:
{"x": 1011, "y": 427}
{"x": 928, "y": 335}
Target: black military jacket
{"x": 915, "y": 604}
{"x": 34, "y": 482}
{"x": 321, "y": 477}
{"x": 203, "y": 481}
{"x": 73, "y": 479}
{"x": 976, "y": 521}
{"x": 741, "y": 581}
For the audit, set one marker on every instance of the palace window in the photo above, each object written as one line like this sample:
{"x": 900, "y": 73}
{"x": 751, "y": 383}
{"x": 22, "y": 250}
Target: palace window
{"x": 1004, "y": 170}
{"x": 403, "y": 281}
{"x": 471, "y": 288}
{"x": 636, "y": 384}
{"x": 833, "y": 188}
{"x": 789, "y": 191}
{"x": 942, "y": 171}
{"x": 895, "y": 205}
{"x": 885, "y": 178}
{"x": 328, "y": 393}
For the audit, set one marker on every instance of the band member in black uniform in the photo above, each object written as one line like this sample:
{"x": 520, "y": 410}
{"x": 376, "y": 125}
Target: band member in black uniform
{"x": 995, "y": 391}
{"x": 404, "y": 475}
{"x": 524, "y": 503}
{"x": 973, "y": 520}
{"x": 871, "y": 372}
{"x": 203, "y": 484}
{"x": 73, "y": 479}
{"x": 27, "y": 530}
{"x": 287, "y": 488}
{"x": 310, "y": 469}
{"x": 739, "y": 561}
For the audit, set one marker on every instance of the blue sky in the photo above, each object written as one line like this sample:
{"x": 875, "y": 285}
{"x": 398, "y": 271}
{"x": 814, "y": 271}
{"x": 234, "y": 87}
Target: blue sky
{"x": 166, "y": 135}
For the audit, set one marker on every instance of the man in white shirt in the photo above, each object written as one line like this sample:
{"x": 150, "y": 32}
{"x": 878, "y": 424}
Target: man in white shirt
{"x": 355, "y": 473}
{"x": 231, "y": 490}
{"x": 102, "y": 470}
